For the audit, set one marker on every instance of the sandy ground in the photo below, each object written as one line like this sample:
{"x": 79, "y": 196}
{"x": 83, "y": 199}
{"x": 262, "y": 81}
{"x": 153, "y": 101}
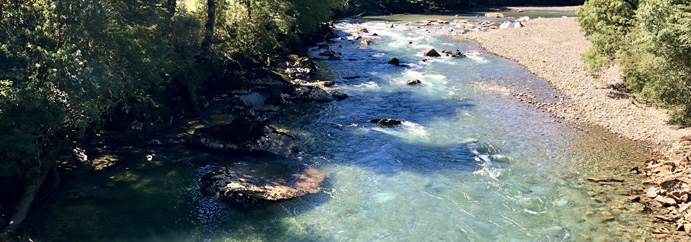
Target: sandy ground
{"x": 551, "y": 49}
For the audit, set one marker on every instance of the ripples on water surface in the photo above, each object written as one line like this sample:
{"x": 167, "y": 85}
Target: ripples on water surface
{"x": 469, "y": 164}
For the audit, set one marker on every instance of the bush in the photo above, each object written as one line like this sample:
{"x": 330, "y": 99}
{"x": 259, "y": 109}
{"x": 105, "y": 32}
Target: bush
{"x": 652, "y": 41}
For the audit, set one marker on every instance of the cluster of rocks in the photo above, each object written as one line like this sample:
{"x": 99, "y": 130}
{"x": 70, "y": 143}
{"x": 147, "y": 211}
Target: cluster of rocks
{"x": 251, "y": 133}
{"x": 487, "y": 25}
{"x": 669, "y": 192}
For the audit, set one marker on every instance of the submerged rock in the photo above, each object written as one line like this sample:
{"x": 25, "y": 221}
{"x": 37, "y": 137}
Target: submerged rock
{"x": 387, "y": 123}
{"x": 431, "y": 53}
{"x": 238, "y": 185}
{"x": 339, "y": 96}
{"x": 244, "y": 136}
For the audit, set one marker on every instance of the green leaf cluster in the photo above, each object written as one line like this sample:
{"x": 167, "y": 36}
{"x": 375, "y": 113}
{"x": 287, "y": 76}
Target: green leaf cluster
{"x": 652, "y": 40}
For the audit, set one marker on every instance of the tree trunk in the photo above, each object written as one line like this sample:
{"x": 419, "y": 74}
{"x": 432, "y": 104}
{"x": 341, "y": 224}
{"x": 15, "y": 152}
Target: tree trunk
{"x": 249, "y": 9}
{"x": 209, "y": 34}
{"x": 23, "y": 207}
{"x": 172, "y": 4}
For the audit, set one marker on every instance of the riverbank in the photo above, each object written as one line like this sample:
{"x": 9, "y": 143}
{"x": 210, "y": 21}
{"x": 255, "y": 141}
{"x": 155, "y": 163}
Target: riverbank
{"x": 551, "y": 49}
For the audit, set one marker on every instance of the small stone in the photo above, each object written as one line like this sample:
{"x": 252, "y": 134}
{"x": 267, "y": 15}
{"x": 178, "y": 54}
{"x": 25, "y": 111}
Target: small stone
{"x": 662, "y": 236}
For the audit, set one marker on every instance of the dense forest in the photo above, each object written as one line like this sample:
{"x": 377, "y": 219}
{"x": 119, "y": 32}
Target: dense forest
{"x": 71, "y": 68}
{"x": 651, "y": 39}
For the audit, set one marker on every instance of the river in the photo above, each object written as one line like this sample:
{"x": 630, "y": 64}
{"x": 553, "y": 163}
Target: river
{"x": 470, "y": 162}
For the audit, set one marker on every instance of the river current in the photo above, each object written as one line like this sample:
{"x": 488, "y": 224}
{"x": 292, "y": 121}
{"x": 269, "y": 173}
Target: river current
{"x": 470, "y": 162}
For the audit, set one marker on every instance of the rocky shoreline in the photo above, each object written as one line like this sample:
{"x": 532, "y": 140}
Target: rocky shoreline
{"x": 551, "y": 48}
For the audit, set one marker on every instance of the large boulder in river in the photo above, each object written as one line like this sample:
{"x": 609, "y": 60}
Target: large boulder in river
{"x": 241, "y": 186}
{"x": 244, "y": 136}
{"x": 431, "y": 53}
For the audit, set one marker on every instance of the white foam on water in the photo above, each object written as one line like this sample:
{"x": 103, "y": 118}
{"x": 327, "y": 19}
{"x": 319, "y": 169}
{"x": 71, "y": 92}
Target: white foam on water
{"x": 475, "y": 56}
{"x": 409, "y": 131}
{"x": 366, "y": 86}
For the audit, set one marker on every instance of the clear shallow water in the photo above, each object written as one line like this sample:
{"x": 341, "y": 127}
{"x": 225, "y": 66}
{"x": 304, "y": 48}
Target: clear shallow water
{"x": 469, "y": 164}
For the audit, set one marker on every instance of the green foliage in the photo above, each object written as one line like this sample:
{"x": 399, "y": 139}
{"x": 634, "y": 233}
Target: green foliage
{"x": 607, "y": 23}
{"x": 652, "y": 40}
{"x": 69, "y": 66}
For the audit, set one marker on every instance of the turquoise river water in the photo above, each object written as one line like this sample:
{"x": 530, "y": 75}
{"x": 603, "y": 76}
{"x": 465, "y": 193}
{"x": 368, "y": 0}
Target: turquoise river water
{"x": 471, "y": 162}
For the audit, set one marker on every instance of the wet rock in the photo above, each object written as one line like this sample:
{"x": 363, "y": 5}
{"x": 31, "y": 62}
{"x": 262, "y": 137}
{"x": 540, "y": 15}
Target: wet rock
{"x": 365, "y": 42}
{"x": 394, "y": 62}
{"x": 441, "y": 21}
{"x": 390, "y": 26}
{"x": 414, "y": 82}
{"x": 238, "y": 185}
{"x": 431, "y": 53}
{"x": 387, "y": 123}
{"x": 454, "y": 54}
{"x": 362, "y": 30}
{"x": 358, "y": 37}
{"x": 244, "y": 136}
{"x": 375, "y": 34}
{"x": 328, "y": 83}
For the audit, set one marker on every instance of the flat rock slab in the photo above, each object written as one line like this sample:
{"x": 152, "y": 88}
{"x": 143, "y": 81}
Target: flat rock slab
{"x": 238, "y": 185}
